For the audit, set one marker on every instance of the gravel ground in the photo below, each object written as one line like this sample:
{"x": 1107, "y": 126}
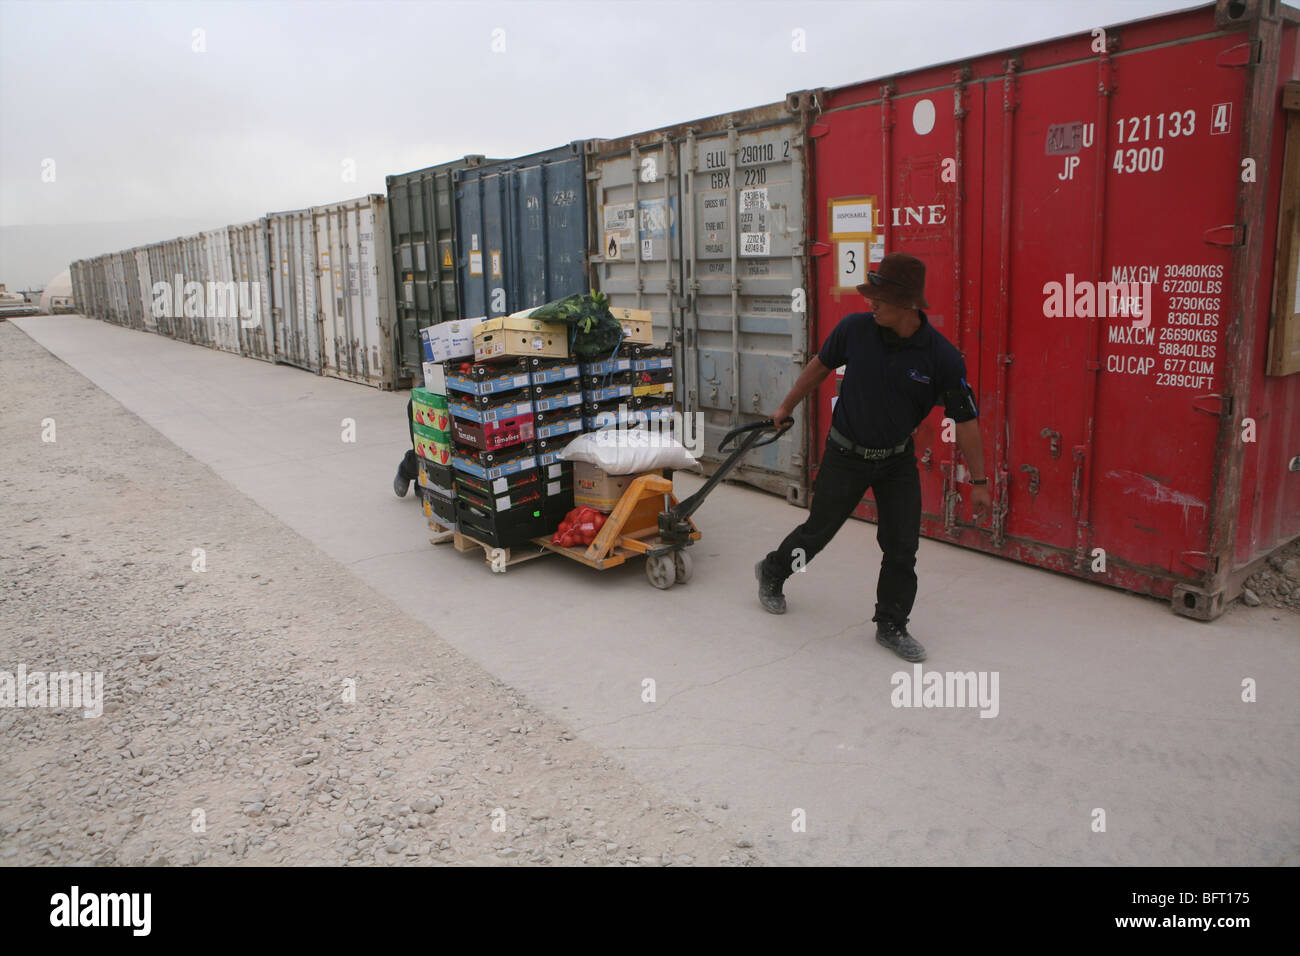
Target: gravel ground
{"x": 227, "y": 735}
{"x": 1277, "y": 584}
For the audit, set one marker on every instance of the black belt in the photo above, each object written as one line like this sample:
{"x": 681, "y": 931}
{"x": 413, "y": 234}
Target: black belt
{"x": 871, "y": 454}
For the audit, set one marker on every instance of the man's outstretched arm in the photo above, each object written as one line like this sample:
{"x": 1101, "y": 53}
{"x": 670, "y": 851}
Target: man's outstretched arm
{"x": 813, "y": 374}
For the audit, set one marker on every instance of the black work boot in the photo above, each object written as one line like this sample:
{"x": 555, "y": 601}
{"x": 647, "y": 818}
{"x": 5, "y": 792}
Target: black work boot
{"x": 896, "y": 638}
{"x": 769, "y": 591}
{"x": 401, "y": 484}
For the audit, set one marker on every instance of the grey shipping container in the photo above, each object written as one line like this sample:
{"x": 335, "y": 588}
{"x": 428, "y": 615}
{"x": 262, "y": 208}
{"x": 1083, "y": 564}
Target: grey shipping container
{"x": 161, "y": 268}
{"x": 703, "y": 223}
{"x": 292, "y": 245}
{"x": 160, "y": 271}
{"x": 221, "y": 298}
{"x": 251, "y": 265}
{"x": 197, "y": 328}
{"x": 133, "y": 316}
{"x": 77, "y": 270}
{"x": 144, "y": 286}
{"x": 422, "y": 218}
{"x": 118, "y": 306}
{"x": 521, "y": 231}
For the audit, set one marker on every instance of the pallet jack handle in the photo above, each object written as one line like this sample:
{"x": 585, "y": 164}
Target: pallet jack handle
{"x": 675, "y": 524}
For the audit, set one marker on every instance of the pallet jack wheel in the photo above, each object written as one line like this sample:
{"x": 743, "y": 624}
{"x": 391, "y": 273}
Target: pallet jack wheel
{"x": 683, "y": 564}
{"x": 661, "y": 569}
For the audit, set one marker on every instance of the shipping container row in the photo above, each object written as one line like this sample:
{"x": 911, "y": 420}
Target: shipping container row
{"x": 1159, "y": 158}
{"x": 309, "y": 287}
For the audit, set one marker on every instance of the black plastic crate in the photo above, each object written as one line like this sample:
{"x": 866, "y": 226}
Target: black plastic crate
{"x": 501, "y": 529}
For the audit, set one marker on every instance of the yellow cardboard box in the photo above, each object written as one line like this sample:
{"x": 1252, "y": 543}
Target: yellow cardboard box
{"x": 637, "y": 327}
{"x": 511, "y": 336}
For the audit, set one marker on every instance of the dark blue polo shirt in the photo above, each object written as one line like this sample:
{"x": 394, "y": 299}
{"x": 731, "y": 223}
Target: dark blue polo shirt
{"x": 890, "y": 383}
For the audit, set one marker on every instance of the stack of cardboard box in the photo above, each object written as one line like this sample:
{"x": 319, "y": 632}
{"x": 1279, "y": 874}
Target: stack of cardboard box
{"x": 638, "y": 378}
{"x": 502, "y": 398}
{"x": 432, "y": 421}
{"x": 432, "y": 427}
{"x": 512, "y": 409}
{"x": 637, "y": 381}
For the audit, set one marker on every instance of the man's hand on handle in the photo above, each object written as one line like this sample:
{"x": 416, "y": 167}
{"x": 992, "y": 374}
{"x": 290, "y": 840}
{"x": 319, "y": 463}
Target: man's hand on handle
{"x": 782, "y": 416}
{"x": 981, "y": 502}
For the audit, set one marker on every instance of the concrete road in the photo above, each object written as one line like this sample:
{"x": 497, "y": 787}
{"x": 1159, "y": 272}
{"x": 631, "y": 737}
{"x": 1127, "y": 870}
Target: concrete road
{"x": 1109, "y": 707}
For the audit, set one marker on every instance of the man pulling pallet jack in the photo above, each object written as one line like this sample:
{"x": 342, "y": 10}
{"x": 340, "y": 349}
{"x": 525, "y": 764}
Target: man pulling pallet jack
{"x": 897, "y": 368}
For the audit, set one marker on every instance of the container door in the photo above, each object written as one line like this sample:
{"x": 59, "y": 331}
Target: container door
{"x": 895, "y": 183}
{"x": 130, "y": 290}
{"x": 421, "y": 213}
{"x": 744, "y": 260}
{"x": 356, "y": 343}
{"x": 293, "y": 288}
{"x": 157, "y": 273}
{"x": 221, "y": 293}
{"x": 665, "y": 213}
{"x": 549, "y": 203}
{"x": 249, "y": 255}
{"x": 330, "y": 272}
{"x": 1172, "y": 164}
{"x": 175, "y": 264}
{"x": 521, "y": 232}
{"x": 144, "y": 296}
{"x": 477, "y": 202}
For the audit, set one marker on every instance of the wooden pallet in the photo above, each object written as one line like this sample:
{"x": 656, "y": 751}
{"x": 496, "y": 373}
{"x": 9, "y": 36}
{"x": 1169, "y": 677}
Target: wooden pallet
{"x": 498, "y": 559}
{"x": 441, "y": 533}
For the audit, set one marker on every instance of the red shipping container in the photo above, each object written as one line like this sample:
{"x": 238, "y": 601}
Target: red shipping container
{"x": 1161, "y": 458}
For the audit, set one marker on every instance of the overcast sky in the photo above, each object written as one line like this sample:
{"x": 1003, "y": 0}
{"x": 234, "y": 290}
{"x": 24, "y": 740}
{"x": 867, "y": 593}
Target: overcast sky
{"x": 151, "y": 136}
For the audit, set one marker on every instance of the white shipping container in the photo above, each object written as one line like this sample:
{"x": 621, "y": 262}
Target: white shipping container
{"x": 355, "y": 290}
{"x": 145, "y": 317}
{"x": 220, "y": 297}
{"x": 249, "y": 255}
{"x": 294, "y": 319}
{"x": 196, "y": 325}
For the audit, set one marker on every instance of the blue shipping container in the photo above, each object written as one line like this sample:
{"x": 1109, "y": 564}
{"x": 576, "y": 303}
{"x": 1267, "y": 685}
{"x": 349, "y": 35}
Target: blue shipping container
{"x": 521, "y": 231}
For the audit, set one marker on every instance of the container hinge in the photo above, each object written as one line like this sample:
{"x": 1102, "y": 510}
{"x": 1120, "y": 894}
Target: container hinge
{"x": 1006, "y": 359}
{"x": 818, "y": 130}
{"x": 1234, "y": 57}
{"x": 1200, "y": 560}
{"x": 1291, "y": 97}
{"x": 1092, "y": 365}
{"x": 798, "y": 357}
{"x": 1213, "y": 404}
{"x": 1236, "y": 236}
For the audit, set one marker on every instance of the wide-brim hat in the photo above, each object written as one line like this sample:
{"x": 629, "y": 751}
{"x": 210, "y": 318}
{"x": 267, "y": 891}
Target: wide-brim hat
{"x": 899, "y": 280}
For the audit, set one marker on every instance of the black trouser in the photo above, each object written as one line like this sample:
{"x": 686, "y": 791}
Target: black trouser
{"x": 842, "y": 481}
{"x": 410, "y": 466}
